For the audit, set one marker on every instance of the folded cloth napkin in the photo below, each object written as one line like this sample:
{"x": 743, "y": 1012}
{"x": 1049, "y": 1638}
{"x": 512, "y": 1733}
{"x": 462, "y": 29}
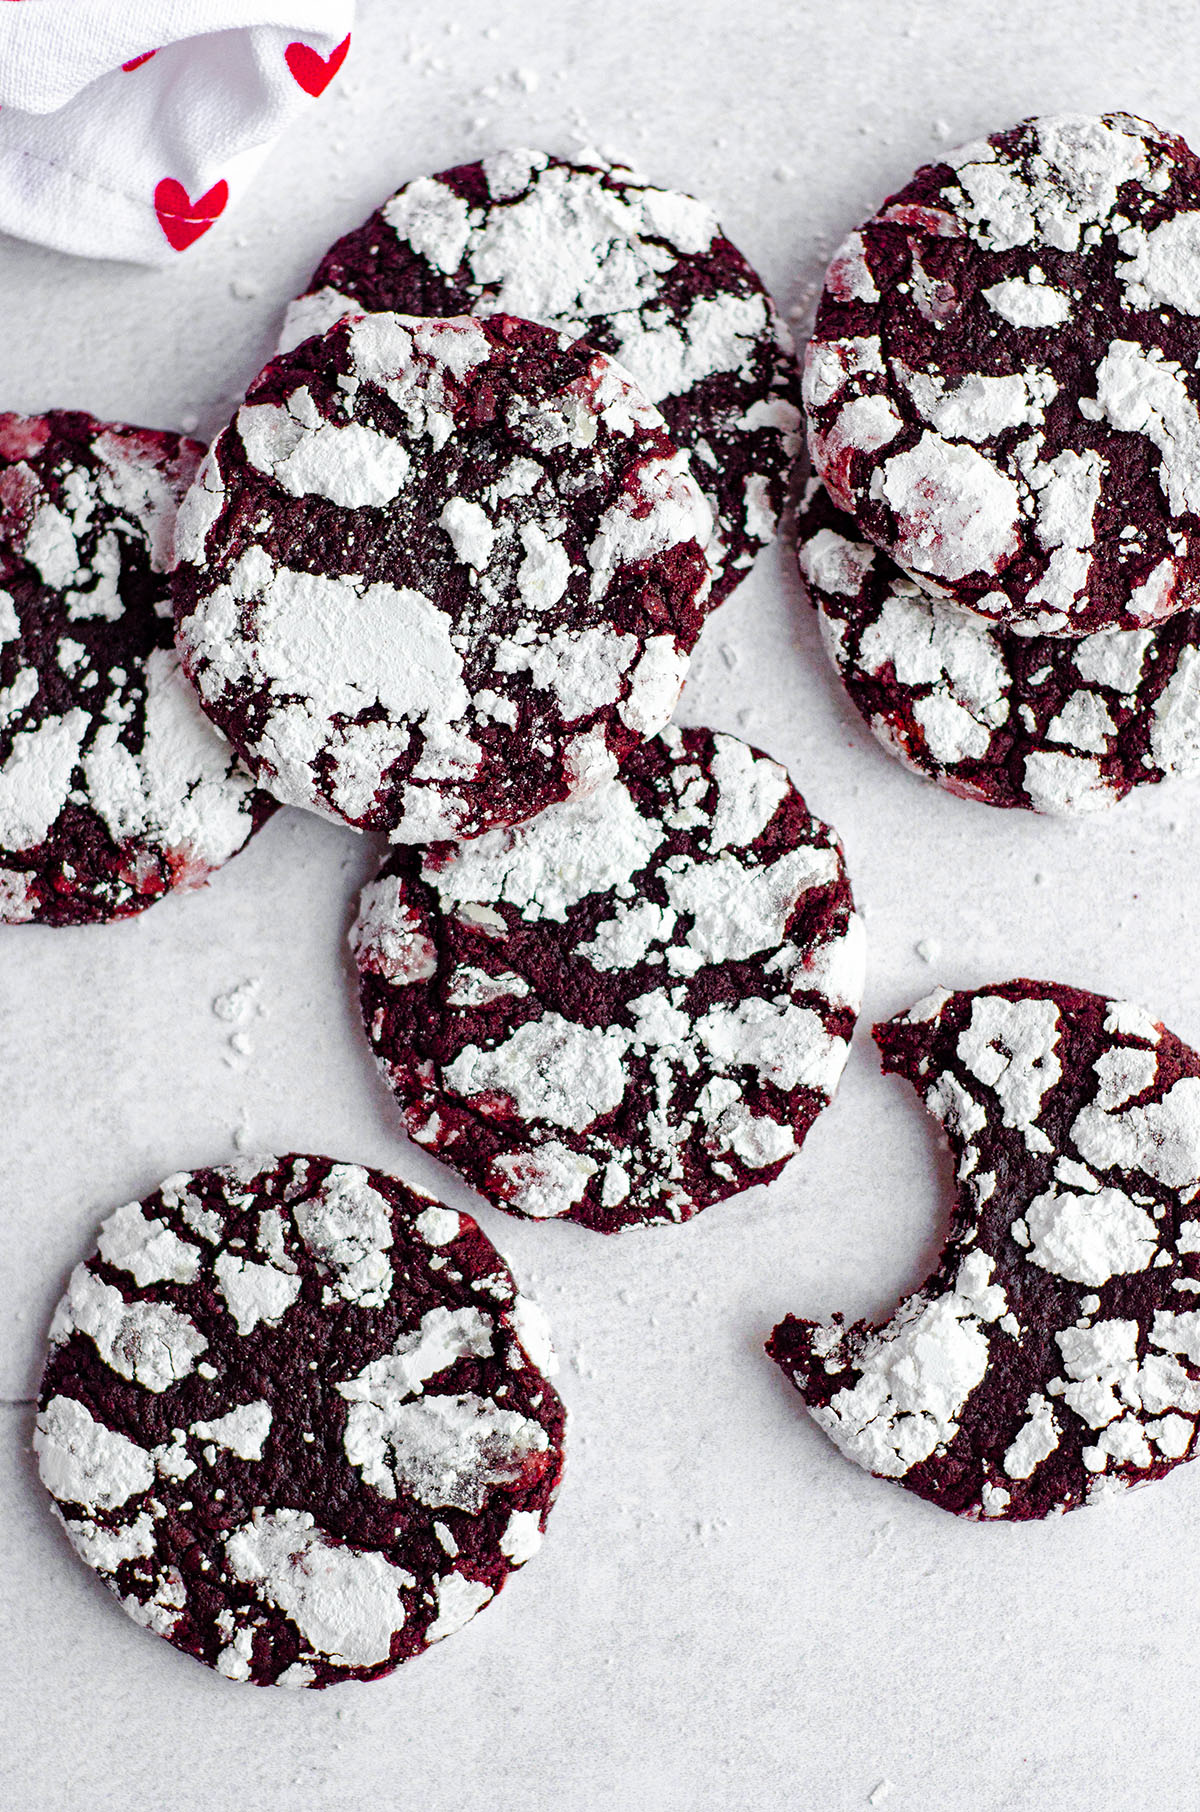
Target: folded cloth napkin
{"x": 128, "y": 126}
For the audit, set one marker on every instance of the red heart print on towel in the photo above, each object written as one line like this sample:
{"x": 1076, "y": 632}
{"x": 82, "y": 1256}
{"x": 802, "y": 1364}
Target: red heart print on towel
{"x": 313, "y": 71}
{"x": 136, "y": 62}
{"x": 183, "y": 220}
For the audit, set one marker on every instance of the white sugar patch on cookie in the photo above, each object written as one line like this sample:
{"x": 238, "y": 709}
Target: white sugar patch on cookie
{"x": 346, "y": 1605}
{"x": 582, "y": 846}
{"x": 83, "y": 1462}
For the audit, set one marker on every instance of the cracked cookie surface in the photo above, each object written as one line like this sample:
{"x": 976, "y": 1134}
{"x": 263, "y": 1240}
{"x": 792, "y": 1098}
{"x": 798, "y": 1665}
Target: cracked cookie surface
{"x": 1002, "y": 384}
{"x": 644, "y": 274}
{"x": 1053, "y": 1357}
{"x": 1048, "y": 723}
{"x": 438, "y": 574}
{"x": 114, "y": 787}
{"x": 297, "y": 1418}
{"x": 629, "y": 1008}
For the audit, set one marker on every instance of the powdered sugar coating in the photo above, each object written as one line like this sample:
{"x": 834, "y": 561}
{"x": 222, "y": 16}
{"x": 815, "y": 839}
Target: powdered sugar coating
{"x": 436, "y": 575}
{"x": 1028, "y": 444}
{"x": 1054, "y": 1355}
{"x": 1041, "y": 722}
{"x": 634, "y": 1005}
{"x": 292, "y": 1411}
{"x": 645, "y": 274}
{"x": 114, "y": 788}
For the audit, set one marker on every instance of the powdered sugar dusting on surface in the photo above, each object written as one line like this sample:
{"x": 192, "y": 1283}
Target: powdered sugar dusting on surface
{"x": 114, "y": 788}
{"x": 1051, "y": 1358}
{"x": 1049, "y": 724}
{"x": 250, "y": 1435}
{"x": 593, "y": 250}
{"x": 1037, "y": 293}
{"x": 640, "y": 1000}
{"x": 346, "y": 1605}
{"x": 480, "y": 607}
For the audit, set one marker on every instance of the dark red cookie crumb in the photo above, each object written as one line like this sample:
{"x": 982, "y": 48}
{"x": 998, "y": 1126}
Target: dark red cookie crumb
{"x": 645, "y": 274}
{"x": 1044, "y": 722}
{"x": 114, "y": 789}
{"x": 436, "y": 575}
{"x": 296, "y": 1417}
{"x": 1002, "y": 387}
{"x": 1053, "y": 1357}
{"x": 629, "y": 1008}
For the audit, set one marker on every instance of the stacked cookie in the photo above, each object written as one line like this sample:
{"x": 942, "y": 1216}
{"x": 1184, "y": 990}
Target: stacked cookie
{"x": 1003, "y": 547}
{"x": 1004, "y": 413}
{"x": 441, "y": 578}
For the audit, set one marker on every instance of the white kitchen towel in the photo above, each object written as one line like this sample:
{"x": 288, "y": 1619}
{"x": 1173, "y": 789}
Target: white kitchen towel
{"x": 127, "y": 127}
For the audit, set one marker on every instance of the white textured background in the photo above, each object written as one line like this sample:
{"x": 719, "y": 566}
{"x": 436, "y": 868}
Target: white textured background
{"x": 726, "y": 1614}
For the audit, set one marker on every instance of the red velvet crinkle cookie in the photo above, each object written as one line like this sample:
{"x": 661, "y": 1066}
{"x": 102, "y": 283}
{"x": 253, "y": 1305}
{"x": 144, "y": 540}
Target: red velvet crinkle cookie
{"x": 629, "y": 1008}
{"x": 1002, "y": 387}
{"x": 1051, "y": 724}
{"x": 645, "y": 274}
{"x": 1053, "y": 1358}
{"x": 296, "y": 1417}
{"x": 438, "y": 574}
{"x": 114, "y": 788}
